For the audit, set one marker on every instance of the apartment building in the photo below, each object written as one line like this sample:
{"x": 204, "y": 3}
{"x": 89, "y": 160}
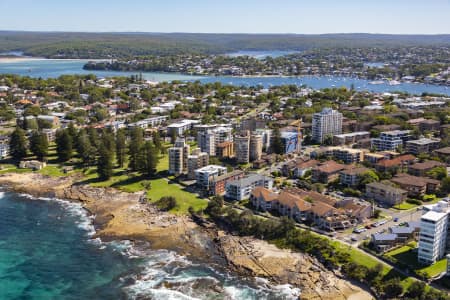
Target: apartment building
{"x": 385, "y": 193}
{"x": 423, "y": 145}
{"x": 179, "y": 128}
{"x": 433, "y": 233}
{"x": 195, "y": 161}
{"x": 209, "y": 140}
{"x": 178, "y": 157}
{"x": 326, "y": 123}
{"x": 206, "y": 175}
{"x": 256, "y": 145}
{"x": 391, "y": 140}
{"x": 242, "y": 148}
{"x": 350, "y": 138}
{"x": 241, "y": 189}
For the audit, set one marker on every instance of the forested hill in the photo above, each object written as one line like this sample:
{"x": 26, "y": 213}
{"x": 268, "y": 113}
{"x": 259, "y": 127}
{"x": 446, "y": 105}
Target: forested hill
{"x": 122, "y": 45}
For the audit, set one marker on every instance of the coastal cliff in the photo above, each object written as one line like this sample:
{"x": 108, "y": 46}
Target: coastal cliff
{"x": 119, "y": 215}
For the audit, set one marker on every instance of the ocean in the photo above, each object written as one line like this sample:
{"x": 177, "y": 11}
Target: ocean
{"x": 47, "y": 252}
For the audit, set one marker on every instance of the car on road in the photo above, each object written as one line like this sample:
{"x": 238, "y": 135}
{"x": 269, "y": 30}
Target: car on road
{"x": 359, "y": 230}
{"x": 354, "y": 238}
{"x": 395, "y": 219}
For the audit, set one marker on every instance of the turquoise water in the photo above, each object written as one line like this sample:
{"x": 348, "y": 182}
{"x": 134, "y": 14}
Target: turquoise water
{"x": 46, "y": 252}
{"x": 46, "y": 68}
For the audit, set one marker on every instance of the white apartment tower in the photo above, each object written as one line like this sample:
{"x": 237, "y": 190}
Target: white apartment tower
{"x": 433, "y": 233}
{"x": 327, "y": 122}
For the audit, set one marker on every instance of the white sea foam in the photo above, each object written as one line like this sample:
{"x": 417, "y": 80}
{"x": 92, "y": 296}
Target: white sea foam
{"x": 2, "y": 194}
{"x": 84, "y": 220}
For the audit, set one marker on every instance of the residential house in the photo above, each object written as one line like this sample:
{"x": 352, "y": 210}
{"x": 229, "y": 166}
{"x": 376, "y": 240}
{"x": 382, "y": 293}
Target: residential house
{"x": 384, "y": 241}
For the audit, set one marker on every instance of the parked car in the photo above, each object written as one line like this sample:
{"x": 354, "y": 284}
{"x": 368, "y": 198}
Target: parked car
{"x": 395, "y": 219}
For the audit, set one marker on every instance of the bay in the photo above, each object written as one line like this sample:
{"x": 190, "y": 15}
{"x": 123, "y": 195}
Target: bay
{"x": 52, "y": 68}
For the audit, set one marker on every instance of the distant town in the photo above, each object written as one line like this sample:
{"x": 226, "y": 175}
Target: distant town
{"x": 368, "y": 170}
{"x": 379, "y": 65}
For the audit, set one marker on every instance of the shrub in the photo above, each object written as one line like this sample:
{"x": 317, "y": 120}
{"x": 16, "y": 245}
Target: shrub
{"x": 166, "y": 203}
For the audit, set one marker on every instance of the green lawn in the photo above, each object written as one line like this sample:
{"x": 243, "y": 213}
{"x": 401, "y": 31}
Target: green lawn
{"x": 161, "y": 187}
{"x": 406, "y": 256}
{"x": 52, "y": 171}
{"x": 405, "y": 206}
{"x": 163, "y": 164}
{"x": 10, "y": 168}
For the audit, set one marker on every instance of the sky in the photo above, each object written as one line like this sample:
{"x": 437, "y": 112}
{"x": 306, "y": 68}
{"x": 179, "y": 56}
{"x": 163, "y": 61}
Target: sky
{"x": 228, "y": 16}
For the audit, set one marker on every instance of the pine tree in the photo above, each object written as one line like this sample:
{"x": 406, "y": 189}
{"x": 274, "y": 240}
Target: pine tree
{"x": 85, "y": 150}
{"x": 157, "y": 140}
{"x": 18, "y": 144}
{"x": 105, "y": 163}
{"x": 277, "y": 142}
{"x": 121, "y": 146}
{"x": 151, "y": 158}
{"x": 39, "y": 145}
{"x": 137, "y": 161}
{"x": 64, "y": 147}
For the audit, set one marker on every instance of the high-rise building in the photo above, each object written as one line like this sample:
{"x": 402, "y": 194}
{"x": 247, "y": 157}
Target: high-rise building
{"x": 326, "y": 123}
{"x": 196, "y": 161}
{"x": 256, "y": 145}
{"x": 178, "y": 155}
{"x": 434, "y": 231}
{"x": 266, "y": 136}
{"x": 242, "y": 147}
{"x": 208, "y": 140}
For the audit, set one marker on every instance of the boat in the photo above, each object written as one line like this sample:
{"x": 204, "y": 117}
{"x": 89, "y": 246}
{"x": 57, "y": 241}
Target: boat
{"x": 377, "y": 82}
{"x": 394, "y": 82}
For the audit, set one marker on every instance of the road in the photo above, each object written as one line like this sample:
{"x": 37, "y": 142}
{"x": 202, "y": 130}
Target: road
{"x": 402, "y": 216}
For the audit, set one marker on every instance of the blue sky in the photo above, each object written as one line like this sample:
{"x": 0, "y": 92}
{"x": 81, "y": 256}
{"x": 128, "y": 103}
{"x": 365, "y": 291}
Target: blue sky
{"x": 230, "y": 16}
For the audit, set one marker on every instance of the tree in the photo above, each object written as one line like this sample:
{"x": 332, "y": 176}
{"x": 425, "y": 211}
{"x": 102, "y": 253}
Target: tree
{"x": 151, "y": 158}
{"x": 166, "y": 203}
{"x": 134, "y": 149}
{"x": 438, "y": 173}
{"x": 214, "y": 207}
{"x": 121, "y": 148}
{"x": 445, "y": 185}
{"x": 104, "y": 163}
{"x": 39, "y": 144}
{"x": 64, "y": 147}
{"x": 85, "y": 149}
{"x": 367, "y": 177}
{"x": 416, "y": 290}
{"x": 277, "y": 143}
{"x": 157, "y": 141}
{"x": 18, "y": 144}
{"x": 392, "y": 288}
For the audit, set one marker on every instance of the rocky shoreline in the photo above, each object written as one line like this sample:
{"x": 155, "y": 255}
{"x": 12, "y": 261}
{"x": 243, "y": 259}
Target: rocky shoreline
{"x": 124, "y": 216}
